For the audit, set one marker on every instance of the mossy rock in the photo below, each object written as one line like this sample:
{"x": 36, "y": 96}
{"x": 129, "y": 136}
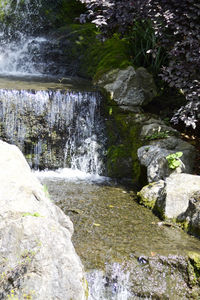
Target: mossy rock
{"x": 123, "y": 141}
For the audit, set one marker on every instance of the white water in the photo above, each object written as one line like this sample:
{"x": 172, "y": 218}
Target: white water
{"x": 70, "y": 174}
{"x": 23, "y": 47}
{"x": 54, "y": 127}
{"x": 114, "y": 287}
{"x": 20, "y": 58}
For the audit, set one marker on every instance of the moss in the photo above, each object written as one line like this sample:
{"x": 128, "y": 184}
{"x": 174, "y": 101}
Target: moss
{"x": 118, "y": 160}
{"x": 123, "y": 143}
{"x": 81, "y": 38}
{"x": 85, "y": 48}
{"x": 189, "y": 228}
{"x": 145, "y": 201}
{"x": 101, "y": 57}
{"x": 194, "y": 267}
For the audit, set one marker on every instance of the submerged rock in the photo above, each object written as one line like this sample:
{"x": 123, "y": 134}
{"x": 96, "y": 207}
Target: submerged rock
{"x": 129, "y": 87}
{"x": 37, "y": 258}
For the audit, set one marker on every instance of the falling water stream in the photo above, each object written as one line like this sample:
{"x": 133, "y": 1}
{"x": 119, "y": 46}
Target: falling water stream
{"x": 127, "y": 252}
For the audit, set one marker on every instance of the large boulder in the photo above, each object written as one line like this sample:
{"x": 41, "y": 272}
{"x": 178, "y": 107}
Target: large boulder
{"x": 130, "y": 88}
{"x": 172, "y": 196}
{"x": 37, "y": 258}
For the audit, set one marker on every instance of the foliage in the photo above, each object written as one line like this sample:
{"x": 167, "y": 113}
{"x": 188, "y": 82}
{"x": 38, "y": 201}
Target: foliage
{"x": 176, "y": 25}
{"x": 173, "y": 160}
{"x": 157, "y": 135}
{"x": 111, "y": 54}
{"x": 67, "y": 11}
{"x": 102, "y": 56}
{"x": 144, "y": 47}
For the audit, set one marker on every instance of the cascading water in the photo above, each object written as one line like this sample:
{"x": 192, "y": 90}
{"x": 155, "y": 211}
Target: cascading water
{"x": 119, "y": 242}
{"x": 54, "y": 128}
{"x": 25, "y": 48}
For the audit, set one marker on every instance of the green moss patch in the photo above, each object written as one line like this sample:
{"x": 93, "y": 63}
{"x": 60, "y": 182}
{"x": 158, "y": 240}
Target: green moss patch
{"x": 101, "y": 57}
{"x": 123, "y": 142}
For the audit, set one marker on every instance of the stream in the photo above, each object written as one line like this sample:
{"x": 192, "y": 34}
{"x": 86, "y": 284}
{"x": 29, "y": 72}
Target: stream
{"x": 57, "y": 122}
{"x": 114, "y": 236}
{"x": 127, "y": 252}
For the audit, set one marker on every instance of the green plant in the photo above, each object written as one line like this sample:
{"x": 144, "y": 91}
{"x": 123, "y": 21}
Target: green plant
{"x": 145, "y": 49}
{"x": 157, "y": 135}
{"x": 174, "y": 160}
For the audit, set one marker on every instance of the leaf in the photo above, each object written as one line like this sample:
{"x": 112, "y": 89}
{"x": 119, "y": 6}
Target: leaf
{"x": 96, "y": 224}
{"x": 179, "y": 154}
{"x": 176, "y": 163}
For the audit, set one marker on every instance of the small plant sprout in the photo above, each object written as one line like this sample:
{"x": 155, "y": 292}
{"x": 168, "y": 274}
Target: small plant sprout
{"x": 174, "y": 160}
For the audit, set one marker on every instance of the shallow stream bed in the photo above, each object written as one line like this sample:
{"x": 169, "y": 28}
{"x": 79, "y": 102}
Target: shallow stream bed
{"x": 127, "y": 251}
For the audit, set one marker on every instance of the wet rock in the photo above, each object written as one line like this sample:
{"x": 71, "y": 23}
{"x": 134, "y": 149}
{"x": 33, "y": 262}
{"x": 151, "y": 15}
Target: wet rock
{"x": 47, "y": 126}
{"x": 153, "y": 157}
{"x": 147, "y": 277}
{"x": 162, "y": 277}
{"x": 129, "y": 87}
{"x": 149, "y": 193}
{"x": 191, "y": 217}
{"x": 171, "y": 197}
{"x": 37, "y": 258}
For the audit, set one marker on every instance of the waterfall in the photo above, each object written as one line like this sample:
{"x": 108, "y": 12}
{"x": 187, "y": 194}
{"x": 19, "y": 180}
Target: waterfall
{"x": 55, "y": 129}
{"x": 25, "y": 48}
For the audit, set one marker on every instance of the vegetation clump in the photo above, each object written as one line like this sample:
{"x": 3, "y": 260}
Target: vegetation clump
{"x": 172, "y": 45}
{"x": 174, "y": 160}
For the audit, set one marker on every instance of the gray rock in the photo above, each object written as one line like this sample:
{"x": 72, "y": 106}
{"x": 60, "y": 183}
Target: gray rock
{"x": 171, "y": 197}
{"x": 37, "y": 258}
{"x": 153, "y": 157}
{"x": 156, "y": 128}
{"x": 191, "y": 217}
{"x": 178, "y": 190}
{"x": 129, "y": 87}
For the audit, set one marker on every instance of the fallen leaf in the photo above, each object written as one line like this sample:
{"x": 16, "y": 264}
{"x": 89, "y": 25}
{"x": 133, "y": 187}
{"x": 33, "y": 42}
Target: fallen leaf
{"x": 96, "y": 224}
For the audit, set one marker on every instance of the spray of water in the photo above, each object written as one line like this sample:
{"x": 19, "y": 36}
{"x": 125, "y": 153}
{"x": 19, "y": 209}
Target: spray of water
{"x": 23, "y": 44}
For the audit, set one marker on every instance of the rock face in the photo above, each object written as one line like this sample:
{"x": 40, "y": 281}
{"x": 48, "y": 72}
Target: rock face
{"x": 129, "y": 87}
{"x": 172, "y": 197}
{"x": 37, "y": 258}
